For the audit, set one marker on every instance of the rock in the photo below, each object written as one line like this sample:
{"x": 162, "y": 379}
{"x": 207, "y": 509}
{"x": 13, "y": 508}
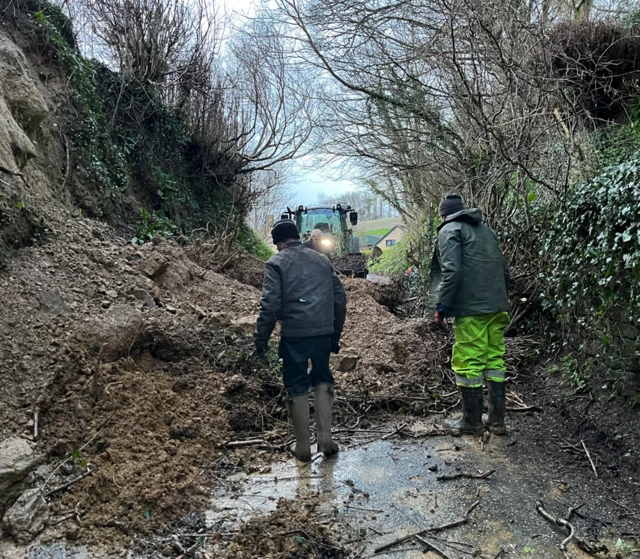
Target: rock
{"x": 154, "y": 266}
{"x": 73, "y": 532}
{"x": 399, "y": 352}
{"x": 235, "y": 384}
{"x": 112, "y": 334}
{"x": 27, "y": 517}
{"x": 112, "y": 294}
{"x": 345, "y": 361}
{"x": 17, "y": 459}
{"x": 22, "y": 107}
{"x": 245, "y": 324}
{"x": 144, "y": 296}
{"x": 19, "y": 89}
{"x": 171, "y": 309}
{"x": 52, "y": 301}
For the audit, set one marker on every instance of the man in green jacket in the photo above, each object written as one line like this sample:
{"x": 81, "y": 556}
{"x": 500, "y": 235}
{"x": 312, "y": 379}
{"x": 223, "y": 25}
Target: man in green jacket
{"x": 470, "y": 282}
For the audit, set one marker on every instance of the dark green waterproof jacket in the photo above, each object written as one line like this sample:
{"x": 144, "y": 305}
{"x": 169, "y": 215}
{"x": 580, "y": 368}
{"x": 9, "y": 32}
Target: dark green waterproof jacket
{"x": 469, "y": 274}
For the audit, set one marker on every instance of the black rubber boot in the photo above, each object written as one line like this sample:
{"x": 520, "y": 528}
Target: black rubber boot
{"x": 298, "y": 407}
{"x": 471, "y": 421}
{"x": 496, "y": 408}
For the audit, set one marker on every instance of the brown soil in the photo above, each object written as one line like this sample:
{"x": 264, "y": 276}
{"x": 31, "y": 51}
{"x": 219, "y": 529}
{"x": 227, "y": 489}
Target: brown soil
{"x": 290, "y": 532}
{"x": 146, "y": 386}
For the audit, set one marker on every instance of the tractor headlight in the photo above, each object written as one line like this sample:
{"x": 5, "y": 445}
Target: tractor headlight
{"x": 326, "y": 242}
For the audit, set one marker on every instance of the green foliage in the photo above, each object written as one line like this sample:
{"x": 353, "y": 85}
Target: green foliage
{"x": 393, "y": 260}
{"x": 375, "y": 232}
{"x": 126, "y": 139}
{"x": 101, "y": 160}
{"x": 591, "y": 255}
{"x": 152, "y": 224}
{"x": 249, "y": 240}
{"x": 615, "y": 144}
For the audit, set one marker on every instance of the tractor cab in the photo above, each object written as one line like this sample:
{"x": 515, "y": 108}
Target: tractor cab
{"x": 338, "y": 242}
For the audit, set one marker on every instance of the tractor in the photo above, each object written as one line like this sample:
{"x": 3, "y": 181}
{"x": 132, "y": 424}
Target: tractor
{"x": 338, "y": 242}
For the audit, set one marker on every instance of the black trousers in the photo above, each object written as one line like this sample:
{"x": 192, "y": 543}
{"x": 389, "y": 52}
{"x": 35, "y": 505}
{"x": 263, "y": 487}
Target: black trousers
{"x": 296, "y": 353}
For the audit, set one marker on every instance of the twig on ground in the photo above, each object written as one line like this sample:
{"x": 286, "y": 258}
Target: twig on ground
{"x": 36, "y": 415}
{"x": 432, "y": 547}
{"x": 484, "y": 475}
{"x": 522, "y": 408}
{"x": 363, "y": 509}
{"x": 455, "y": 523}
{"x": 68, "y": 484}
{"x": 595, "y": 471}
{"x": 398, "y": 430}
{"x": 572, "y": 537}
{"x": 249, "y": 442}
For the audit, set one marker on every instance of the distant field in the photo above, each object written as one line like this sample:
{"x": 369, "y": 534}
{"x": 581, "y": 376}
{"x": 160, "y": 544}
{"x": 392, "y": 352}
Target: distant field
{"x": 377, "y": 226}
{"x": 376, "y": 232}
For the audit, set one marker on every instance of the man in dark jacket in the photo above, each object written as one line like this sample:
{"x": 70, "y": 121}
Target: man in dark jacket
{"x": 302, "y": 291}
{"x": 470, "y": 281}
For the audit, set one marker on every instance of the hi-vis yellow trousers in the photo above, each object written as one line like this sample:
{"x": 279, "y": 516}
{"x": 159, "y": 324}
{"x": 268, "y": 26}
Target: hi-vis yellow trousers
{"x": 478, "y": 351}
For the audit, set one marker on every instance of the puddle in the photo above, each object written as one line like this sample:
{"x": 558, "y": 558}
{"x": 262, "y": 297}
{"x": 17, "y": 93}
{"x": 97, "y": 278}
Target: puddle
{"x": 385, "y": 490}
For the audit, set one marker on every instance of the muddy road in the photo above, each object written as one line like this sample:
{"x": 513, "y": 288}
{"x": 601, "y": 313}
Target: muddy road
{"x": 136, "y": 363}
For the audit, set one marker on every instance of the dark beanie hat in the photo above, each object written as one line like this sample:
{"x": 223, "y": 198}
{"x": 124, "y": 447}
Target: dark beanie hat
{"x": 284, "y": 230}
{"x": 451, "y": 204}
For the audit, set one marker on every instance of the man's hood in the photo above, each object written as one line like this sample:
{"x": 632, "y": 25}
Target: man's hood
{"x": 472, "y": 215}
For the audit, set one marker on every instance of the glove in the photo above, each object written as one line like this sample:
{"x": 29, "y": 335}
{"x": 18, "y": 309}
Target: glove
{"x": 439, "y": 320}
{"x": 335, "y": 345}
{"x": 442, "y": 311}
{"x": 261, "y": 349}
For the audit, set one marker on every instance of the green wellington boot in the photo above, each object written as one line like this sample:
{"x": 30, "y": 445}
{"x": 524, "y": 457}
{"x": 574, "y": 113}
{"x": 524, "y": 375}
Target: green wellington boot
{"x": 471, "y": 421}
{"x": 496, "y": 408}
{"x": 298, "y": 407}
{"x": 324, "y": 402}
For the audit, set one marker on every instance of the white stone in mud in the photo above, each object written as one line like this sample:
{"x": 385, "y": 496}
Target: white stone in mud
{"x": 27, "y": 517}
{"x": 17, "y": 459}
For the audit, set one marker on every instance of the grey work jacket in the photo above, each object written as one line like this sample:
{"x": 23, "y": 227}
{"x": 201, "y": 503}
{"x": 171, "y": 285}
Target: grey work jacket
{"x": 302, "y": 291}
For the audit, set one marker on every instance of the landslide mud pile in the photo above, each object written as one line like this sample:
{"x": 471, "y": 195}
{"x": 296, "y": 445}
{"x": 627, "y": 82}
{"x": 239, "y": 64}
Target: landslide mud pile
{"x": 121, "y": 351}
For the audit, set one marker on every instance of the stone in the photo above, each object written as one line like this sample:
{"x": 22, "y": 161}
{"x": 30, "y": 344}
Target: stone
{"x": 235, "y": 384}
{"x": 399, "y": 352}
{"x": 27, "y": 517}
{"x": 52, "y": 301}
{"x": 17, "y": 459}
{"x": 112, "y": 334}
{"x": 245, "y": 324}
{"x": 144, "y": 296}
{"x": 22, "y": 107}
{"x": 345, "y": 361}
{"x": 19, "y": 89}
{"x": 628, "y": 331}
{"x": 154, "y": 266}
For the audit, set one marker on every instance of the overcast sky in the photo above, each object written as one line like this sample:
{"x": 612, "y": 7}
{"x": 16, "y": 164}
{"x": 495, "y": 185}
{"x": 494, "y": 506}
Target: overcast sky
{"x": 312, "y": 178}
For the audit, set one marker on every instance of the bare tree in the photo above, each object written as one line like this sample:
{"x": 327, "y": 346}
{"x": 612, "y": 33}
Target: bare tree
{"x": 162, "y": 42}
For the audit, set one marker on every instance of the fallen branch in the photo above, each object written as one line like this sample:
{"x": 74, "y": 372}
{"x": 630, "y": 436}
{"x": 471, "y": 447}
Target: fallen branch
{"x": 582, "y": 544}
{"x": 454, "y": 524}
{"x": 484, "y": 475}
{"x": 398, "y": 430}
{"x": 36, "y": 415}
{"x": 68, "y": 484}
{"x": 589, "y": 457}
{"x": 432, "y": 547}
{"x": 522, "y": 408}
{"x": 249, "y": 442}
